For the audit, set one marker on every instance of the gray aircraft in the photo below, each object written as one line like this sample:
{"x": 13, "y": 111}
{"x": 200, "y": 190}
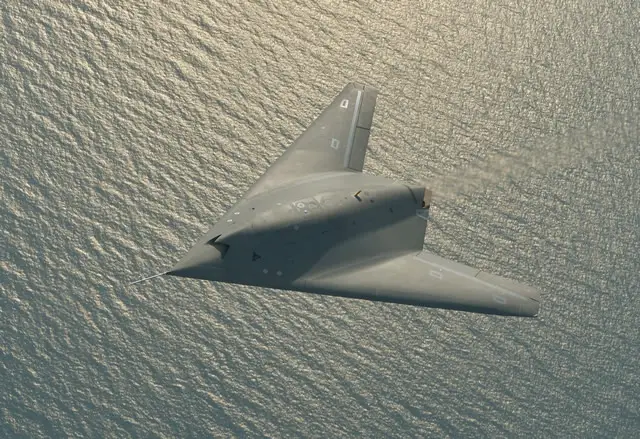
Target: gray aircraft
{"x": 315, "y": 223}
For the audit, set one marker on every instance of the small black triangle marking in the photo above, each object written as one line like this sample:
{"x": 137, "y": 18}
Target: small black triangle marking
{"x": 255, "y": 256}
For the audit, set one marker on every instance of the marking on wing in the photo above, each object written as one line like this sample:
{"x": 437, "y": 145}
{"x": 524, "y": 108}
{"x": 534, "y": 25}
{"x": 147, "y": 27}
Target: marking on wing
{"x": 472, "y": 278}
{"x": 344, "y": 103}
{"x": 335, "y": 143}
{"x": 499, "y": 299}
{"x": 423, "y": 213}
{"x": 352, "y": 130}
{"x": 436, "y": 274}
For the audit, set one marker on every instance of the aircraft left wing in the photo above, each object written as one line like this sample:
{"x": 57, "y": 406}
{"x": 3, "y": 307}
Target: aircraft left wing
{"x": 335, "y": 141}
{"x": 426, "y": 279}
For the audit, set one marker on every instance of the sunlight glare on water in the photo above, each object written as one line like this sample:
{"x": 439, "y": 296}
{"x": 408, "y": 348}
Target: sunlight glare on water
{"x": 129, "y": 127}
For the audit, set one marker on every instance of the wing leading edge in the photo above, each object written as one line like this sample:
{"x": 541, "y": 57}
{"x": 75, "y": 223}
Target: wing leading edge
{"x": 335, "y": 141}
{"x": 428, "y": 280}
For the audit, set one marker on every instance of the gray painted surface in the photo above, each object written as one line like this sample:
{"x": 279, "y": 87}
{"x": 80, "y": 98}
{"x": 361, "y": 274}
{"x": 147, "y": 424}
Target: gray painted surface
{"x": 314, "y": 223}
{"x": 126, "y": 128}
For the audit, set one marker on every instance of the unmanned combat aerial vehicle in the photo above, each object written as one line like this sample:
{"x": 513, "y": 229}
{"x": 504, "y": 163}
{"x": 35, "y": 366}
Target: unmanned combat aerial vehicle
{"x": 314, "y": 222}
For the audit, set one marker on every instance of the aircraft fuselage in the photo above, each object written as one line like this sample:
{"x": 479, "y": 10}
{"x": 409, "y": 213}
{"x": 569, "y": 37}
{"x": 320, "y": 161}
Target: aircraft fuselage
{"x": 275, "y": 237}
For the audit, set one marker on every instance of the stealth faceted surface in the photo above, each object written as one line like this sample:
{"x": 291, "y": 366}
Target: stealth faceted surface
{"x": 129, "y": 127}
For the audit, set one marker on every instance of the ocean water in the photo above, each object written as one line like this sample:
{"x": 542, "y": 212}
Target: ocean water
{"x": 128, "y": 127}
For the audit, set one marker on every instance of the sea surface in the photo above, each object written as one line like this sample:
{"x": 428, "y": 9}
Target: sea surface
{"x": 127, "y": 127}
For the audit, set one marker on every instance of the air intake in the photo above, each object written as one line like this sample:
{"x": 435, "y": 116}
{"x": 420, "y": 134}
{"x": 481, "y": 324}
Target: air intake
{"x": 222, "y": 248}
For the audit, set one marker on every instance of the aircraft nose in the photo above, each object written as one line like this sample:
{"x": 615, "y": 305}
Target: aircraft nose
{"x": 203, "y": 261}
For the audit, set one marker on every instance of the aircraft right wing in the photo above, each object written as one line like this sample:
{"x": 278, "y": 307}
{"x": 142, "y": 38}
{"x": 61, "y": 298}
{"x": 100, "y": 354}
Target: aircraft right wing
{"x": 426, "y": 279}
{"x": 336, "y": 141}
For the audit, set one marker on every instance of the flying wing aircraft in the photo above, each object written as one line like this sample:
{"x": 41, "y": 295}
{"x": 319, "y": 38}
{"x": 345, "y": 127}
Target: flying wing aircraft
{"x": 315, "y": 223}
